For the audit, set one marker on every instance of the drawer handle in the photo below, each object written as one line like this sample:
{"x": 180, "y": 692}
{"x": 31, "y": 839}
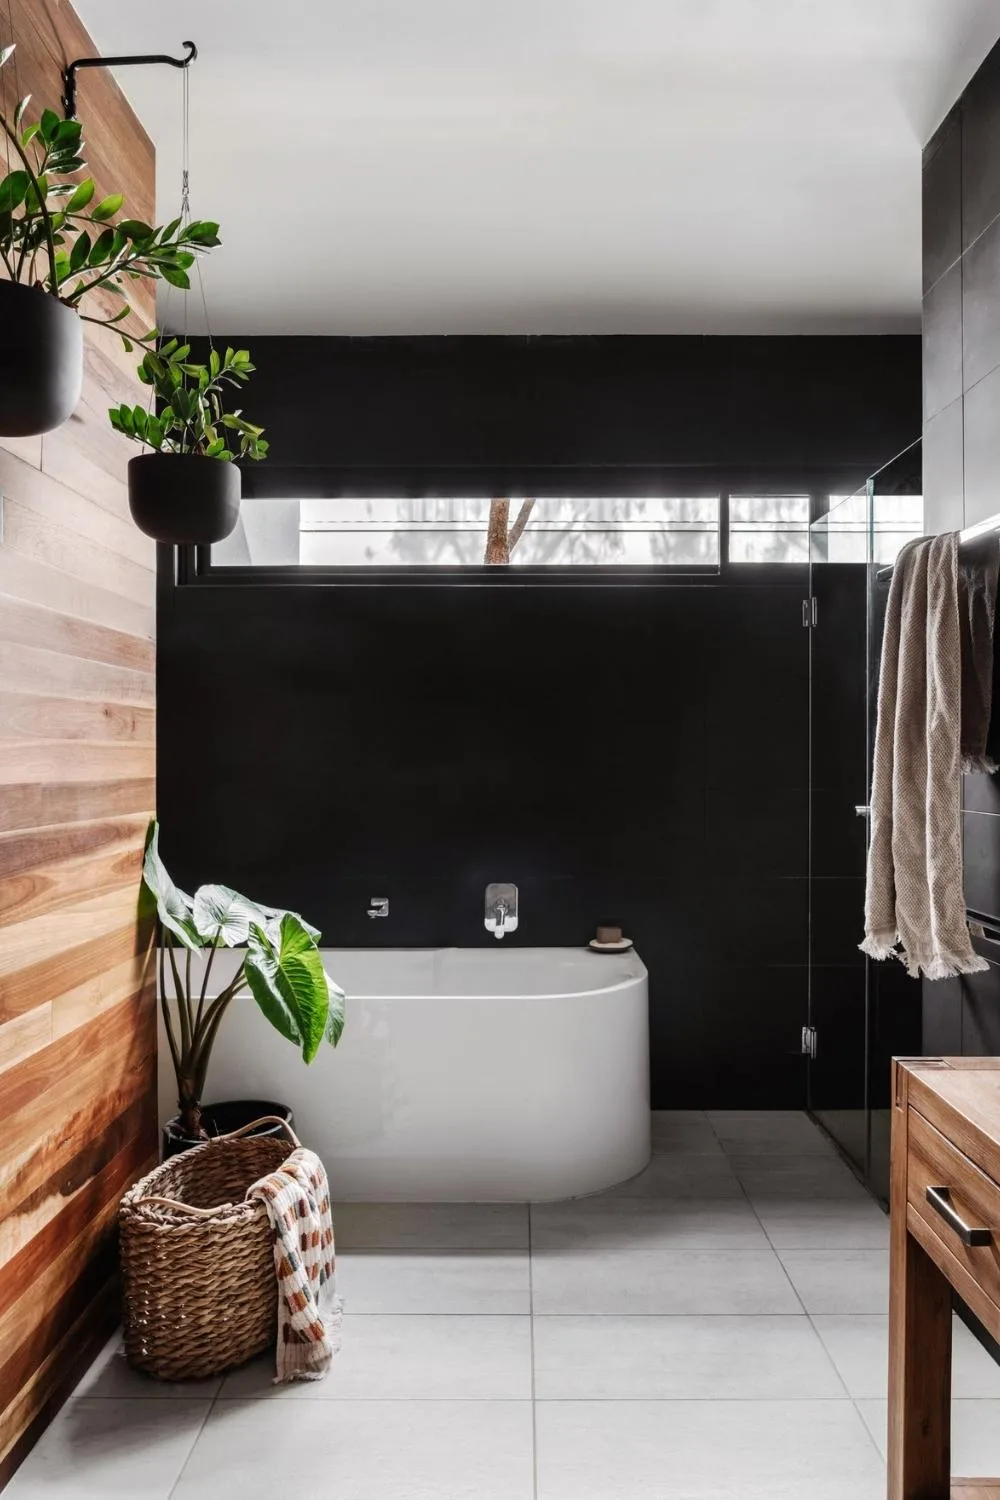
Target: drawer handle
{"x": 939, "y": 1199}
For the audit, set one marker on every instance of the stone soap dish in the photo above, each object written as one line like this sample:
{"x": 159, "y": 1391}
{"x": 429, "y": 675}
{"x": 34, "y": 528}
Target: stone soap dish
{"x": 622, "y": 945}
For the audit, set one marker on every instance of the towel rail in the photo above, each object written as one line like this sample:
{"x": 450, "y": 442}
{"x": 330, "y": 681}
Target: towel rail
{"x": 981, "y": 528}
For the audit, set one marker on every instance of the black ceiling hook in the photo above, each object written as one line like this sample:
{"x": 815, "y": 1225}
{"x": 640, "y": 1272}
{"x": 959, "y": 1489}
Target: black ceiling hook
{"x": 69, "y": 76}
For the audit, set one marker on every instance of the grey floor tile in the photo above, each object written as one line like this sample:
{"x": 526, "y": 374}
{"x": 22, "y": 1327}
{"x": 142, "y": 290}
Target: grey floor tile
{"x": 858, "y": 1344}
{"x": 682, "y": 1174}
{"x": 362, "y": 1450}
{"x": 626, "y": 1279}
{"x": 110, "y": 1377}
{"x": 705, "y": 1450}
{"x": 769, "y": 1132}
{"x": 839, "y": 1281}
{"x": 433, "y": 1281}
{"x": 684, "y": 1130}
{"x": 831, "y": 1224}
{"x": 645, "y": 1223}
{"x": 409, "y": 1357}
{"x": 975, "y": 1435}
{"x": 431, "y": 1226}
{"x": 797, "y": 1178}
{"x": 669, "y": 1358}
{"x": 99, "y": 1448}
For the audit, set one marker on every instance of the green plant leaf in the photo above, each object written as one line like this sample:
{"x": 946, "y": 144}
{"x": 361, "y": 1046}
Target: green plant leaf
{"x": 173, "y": 907}
{"x": 13, "y": 191}
{"x": 176, "y": 277}
{"x": 287, "y": 981}
{"x": 337, "y": 1014}
{"x": 6, "y": 52}
{"x": 80, "y": 251}
{"x": 21, "y": 104}
{"x": 82, "y": 195}
{"x": 49, "y": 124}
{"x": 218, "y": 909}
{"x": 135, "y": 229}
{"x": 108, "y": 207}
{"x": 101, "y": 249}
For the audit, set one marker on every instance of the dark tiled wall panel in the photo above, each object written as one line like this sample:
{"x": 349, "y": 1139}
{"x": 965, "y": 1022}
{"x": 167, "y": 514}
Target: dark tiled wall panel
{"x": 633, "y": 753}
{"x": 961, "y": 216}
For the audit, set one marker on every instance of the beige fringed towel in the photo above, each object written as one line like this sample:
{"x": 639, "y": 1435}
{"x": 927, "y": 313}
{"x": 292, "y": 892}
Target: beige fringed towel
{"x": 914, "y": 895}
{"x": 297, "y": 1200}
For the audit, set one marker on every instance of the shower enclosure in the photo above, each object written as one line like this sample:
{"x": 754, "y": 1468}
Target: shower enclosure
{"x": 861, "y": 1013}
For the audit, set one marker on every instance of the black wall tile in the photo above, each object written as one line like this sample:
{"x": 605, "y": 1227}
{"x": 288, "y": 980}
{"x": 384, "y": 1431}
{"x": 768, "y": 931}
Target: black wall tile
{"x": 980, "y": 277}
{"x": 982, "y": 449}
{"x": 942, "y": 200}
{"x": 981, "y": 793}
{"x": 837, "y": 1077}
{"x": 980, "y": 158}
{"x": 944, "y": 470}
{"x": 981, "y": 1013}
{"x": 942, "y": 1018}
{"x": 838, "y": 920}
{"x": 942, "y": 329}
{"x": 981, "y": 833}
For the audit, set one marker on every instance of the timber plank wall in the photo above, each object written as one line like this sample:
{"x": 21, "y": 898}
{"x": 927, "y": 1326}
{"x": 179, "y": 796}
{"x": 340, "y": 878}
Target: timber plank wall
{"x": 77, "y": 789}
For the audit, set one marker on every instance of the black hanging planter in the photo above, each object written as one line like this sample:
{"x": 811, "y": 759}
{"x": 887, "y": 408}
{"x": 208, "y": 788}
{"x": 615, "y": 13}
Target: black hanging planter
{"x": 182, "y": 498}
{"x": 41, "y": 361}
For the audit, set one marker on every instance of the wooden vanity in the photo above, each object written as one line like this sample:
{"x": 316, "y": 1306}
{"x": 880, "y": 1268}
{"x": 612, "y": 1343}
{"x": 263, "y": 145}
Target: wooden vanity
{"x": 945, "y": 1235}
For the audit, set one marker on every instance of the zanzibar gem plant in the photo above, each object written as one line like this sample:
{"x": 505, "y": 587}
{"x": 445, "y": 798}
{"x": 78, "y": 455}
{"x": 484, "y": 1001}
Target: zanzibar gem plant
{"x": 66, "y": 255}
{"x": 281, "y": 969}
{"x": 173, "y": 496}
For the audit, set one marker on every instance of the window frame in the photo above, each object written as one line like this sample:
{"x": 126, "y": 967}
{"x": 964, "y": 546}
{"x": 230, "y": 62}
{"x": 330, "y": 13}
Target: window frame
{"x": 193, "y": 566}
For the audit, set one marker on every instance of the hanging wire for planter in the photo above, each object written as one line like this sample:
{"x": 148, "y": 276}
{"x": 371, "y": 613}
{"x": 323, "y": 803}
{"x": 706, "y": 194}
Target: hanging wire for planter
{"x": 176, "y": 496}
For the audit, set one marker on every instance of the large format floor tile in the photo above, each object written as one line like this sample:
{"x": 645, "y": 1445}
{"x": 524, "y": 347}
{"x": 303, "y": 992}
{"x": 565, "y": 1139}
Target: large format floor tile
{"x": 595, "y": 1224}
{"x": 765, "y": 1132}
{"x": 975, "y": 1435}
{"x": 686, "y": 1130}
{"x": 682, "y": 1174}
{"x": 827, "y": 1224}
{"x": 431, "y": 1226}
{"x": 112, "y": 1449}
{"x": 435, "y": 1281}
{"x": 626, "y": 1279}
{"x": 839, "y": 1281}
{"x": 797, "y": 1178}
{"x": 109, "y": 1376}
{"x": 705, "y": 1450}
{"x": 409, "y": 1357}
{"x": 699, "y": 1358}
{"x": 859, "y": 1347}
{"x": 362, "y": 1450}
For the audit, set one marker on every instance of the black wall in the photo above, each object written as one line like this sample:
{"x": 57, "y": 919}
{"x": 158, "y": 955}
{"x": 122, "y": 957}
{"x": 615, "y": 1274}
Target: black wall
{"x": 630, "y": 752}
{"x": 962, "y": 462}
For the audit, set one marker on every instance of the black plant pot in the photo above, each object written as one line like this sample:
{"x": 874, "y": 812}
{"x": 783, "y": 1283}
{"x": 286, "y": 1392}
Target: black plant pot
{"x": 183, "y": 499}
{"x": 41, "y": 361}
{"x": 220, "y": 1119}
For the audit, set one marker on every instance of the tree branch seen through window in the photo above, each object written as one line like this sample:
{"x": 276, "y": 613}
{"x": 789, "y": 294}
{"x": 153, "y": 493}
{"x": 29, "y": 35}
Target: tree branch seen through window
{"x": 502, "y": 536}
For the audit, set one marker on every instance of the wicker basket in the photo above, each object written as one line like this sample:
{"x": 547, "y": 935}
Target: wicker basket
{"x": 198, "y": 1280}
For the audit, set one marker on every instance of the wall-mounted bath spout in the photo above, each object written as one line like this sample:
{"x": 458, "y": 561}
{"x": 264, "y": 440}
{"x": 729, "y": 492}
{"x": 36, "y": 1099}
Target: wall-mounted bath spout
{"x": 379, "y": 906}
{"x": 501, "y": 909}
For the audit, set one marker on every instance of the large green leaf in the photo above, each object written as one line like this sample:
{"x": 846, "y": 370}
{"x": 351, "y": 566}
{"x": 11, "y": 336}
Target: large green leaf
{"x": 222, "y": 914}
{"x": 288, "y": 983}
{"x": 173, "y": 906}
{"x": 337, "y": 1013}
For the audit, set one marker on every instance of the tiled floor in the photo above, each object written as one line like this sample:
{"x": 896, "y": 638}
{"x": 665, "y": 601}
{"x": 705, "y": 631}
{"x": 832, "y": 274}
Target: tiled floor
{"x": 713, "y": 1330}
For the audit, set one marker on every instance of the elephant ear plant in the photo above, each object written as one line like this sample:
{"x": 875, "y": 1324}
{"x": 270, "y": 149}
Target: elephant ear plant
{"x": 281, "y": 969}
{"x": 68, "y": 255}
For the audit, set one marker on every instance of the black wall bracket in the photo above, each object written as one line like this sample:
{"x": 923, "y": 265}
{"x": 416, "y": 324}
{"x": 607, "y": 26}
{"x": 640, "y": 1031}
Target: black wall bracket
{"x": 139, "y": 60}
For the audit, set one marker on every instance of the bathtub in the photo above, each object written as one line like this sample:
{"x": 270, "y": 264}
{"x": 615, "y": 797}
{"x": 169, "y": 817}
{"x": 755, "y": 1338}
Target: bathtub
{"x": 463, "y": 1075}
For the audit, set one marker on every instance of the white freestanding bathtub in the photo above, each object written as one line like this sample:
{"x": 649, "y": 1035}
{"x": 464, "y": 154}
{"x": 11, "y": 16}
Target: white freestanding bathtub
{"x": 463, "y": 1075}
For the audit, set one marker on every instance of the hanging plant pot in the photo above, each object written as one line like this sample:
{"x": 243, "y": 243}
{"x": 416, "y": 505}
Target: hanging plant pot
{"x": 182, "y": 498}
{"x": 41, "y": 361}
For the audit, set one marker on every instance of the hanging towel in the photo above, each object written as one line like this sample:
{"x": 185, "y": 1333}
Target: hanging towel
{"x": 978, "y": 568}
{"x": 297, "y": 1199}
{"x": 914, "y": 896}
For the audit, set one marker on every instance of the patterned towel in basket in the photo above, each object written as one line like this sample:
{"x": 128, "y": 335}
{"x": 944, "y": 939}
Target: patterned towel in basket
{"x": 297, "y": 1198}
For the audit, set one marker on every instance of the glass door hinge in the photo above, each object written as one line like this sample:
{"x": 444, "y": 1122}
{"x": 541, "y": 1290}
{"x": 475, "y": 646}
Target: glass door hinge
{"x": 808, "y": 1041}
{"x": 810, "y": 612}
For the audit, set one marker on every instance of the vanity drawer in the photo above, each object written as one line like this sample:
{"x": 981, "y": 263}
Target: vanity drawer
{"x": 963, "y": 1209}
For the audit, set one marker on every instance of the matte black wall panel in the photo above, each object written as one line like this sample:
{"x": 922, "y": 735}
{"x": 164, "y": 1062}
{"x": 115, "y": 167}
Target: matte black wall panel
{"x": 633, "y": 753}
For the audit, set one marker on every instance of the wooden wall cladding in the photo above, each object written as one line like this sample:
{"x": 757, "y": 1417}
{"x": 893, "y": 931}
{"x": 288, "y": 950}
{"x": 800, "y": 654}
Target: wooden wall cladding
{"x": 77, "y": 789}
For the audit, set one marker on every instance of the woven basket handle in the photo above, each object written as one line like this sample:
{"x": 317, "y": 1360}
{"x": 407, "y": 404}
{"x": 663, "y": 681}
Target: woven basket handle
{"x": 207, "y": 1213}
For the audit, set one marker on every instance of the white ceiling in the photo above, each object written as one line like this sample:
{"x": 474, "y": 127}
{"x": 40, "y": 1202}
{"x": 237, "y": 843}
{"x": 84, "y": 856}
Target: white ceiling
{"x": 554, "y": 166}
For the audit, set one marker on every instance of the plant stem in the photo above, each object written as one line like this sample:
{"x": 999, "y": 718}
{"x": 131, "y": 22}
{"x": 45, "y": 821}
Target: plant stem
{"x": 183, "y": 1010}
{"x": 43, "y": 208}
{"x": 204, "y": 982}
